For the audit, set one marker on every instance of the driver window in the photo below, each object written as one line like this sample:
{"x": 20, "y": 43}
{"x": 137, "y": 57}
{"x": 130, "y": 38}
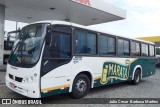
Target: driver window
{"x": 60, "y": 45}
{"x": 58, "y": 51}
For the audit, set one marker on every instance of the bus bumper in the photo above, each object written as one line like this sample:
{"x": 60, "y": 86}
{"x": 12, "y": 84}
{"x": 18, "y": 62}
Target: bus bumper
{"x": 30, "y": 90}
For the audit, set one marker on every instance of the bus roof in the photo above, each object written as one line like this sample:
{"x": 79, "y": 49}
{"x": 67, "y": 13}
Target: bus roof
{"x": 54, "y": 22}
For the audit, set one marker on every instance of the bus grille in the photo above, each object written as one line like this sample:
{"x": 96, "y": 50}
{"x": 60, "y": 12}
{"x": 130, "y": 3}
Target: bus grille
{"x": 11, "y": 76}
{"x": 18, "y": 79}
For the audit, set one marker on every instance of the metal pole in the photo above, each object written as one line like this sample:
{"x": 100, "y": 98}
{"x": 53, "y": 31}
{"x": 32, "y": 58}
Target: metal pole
{"x": 2, "y": 19}
{"x": 16, "y": 25}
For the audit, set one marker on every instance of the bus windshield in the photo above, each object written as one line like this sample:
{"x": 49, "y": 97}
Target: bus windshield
{"x": 27, "y": 50}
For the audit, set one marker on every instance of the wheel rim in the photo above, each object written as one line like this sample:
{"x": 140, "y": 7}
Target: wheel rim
{"x": 137, "y": 78}
{"x": 81, "y": 86}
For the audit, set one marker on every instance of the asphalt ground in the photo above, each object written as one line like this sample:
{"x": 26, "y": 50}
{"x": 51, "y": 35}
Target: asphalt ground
{"x": 148, "y": 88}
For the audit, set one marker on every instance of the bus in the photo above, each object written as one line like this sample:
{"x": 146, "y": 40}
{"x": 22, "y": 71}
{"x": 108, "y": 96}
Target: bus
{"x": 9, "y": 39}
{"x": 7, "y": 49}
{"x": 56, "y": 57}
{"x": 158, "y": 55}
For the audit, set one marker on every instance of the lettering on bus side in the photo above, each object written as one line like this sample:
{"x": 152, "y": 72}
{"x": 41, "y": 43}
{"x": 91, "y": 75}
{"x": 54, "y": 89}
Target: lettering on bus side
{"x": 113, "y": 70}
{"x": 76, "y": 59}
{"x": 84, "y": 2}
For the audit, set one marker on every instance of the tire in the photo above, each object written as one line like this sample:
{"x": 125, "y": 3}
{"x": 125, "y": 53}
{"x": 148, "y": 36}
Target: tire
{"x": 81, "y": 86}
{"x": 137, "y": 77}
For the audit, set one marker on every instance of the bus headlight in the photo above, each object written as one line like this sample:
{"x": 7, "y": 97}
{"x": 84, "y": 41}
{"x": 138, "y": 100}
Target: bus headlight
{"x": 35, "y": 75}
{"x": 29, "y": 79}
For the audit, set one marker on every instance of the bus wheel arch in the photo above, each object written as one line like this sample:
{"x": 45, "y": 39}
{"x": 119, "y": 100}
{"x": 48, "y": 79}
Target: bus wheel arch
{"x": 137, "y": 72}
{"x": 135, "y": 68}
{"x": 83, "y": 74}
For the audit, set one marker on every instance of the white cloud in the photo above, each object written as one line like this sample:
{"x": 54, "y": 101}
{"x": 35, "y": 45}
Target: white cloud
{"x": 142, "y": 3}
{"x": 143, "y": 18}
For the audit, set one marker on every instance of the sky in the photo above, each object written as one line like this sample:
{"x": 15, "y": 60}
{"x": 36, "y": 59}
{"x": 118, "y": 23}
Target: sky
{"x": 143, "y": 19}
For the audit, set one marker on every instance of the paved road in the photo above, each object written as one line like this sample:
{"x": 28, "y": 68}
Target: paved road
{"x": 148, "y": 88}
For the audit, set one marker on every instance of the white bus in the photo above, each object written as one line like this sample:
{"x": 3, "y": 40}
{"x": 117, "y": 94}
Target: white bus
{"x": 55, "y": 57}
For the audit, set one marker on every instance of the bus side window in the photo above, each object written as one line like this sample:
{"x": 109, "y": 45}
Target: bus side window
{"x": 111, "y": 46}
{"x": 135, "y": 49}
{"x": 138, "y": 51}
{"x": 106, "y": 45}
{"x": 123, "y": 47}
{"x": 145, "y": 50}
{"x": 103, "y": 44}
{"x": 152, "y": 50}
{"x": 60, "y": 46}
{"x": 85, "y": 42}
{"x": 58, "y": 51}
{"x": 126, "y": 48}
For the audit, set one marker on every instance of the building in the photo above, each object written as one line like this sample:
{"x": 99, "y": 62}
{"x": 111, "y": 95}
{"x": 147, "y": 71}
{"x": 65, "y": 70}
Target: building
{"x": 156, "y": 40}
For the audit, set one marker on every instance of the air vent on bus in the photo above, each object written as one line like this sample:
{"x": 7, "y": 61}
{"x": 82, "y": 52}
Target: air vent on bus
{"x": 11, "y": 76}
{"x": 18, "y": 79}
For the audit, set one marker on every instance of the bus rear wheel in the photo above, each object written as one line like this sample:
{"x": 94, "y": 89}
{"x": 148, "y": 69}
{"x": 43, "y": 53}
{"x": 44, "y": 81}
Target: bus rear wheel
{"x": 81, "y": 86}
{"x": 137, "y": 77}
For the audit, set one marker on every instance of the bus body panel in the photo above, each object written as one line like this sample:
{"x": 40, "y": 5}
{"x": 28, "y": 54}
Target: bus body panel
{"x": 97, "y": 66}
{"x": 56, "y": 81}
{"x": 117, "y": 69}
{"x": 20, "y": 72}
{"x": 30, "y": 88}
{"x": 142, "y": 63}
{"x": 21, "y": 79}
{"x": 104, "y": 70}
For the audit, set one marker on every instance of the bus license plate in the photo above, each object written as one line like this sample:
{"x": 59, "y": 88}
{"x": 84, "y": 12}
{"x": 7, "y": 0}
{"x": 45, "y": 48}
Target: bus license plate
{"x": 12, "y": 85}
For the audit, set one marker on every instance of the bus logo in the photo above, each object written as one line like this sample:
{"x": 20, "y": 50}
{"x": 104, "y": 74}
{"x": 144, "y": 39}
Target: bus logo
{"x": 84, "y": 2}
{"x": 112, "y": 70}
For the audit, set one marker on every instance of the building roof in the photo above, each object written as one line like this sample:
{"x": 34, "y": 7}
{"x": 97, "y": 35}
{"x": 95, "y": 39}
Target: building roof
{"x": 84, "y": 12}
{"x": 151, "y": 39}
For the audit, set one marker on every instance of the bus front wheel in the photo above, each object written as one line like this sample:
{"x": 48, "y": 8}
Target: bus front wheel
{"x": 81, "y": 86}
{"x": 137, "y": 77}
